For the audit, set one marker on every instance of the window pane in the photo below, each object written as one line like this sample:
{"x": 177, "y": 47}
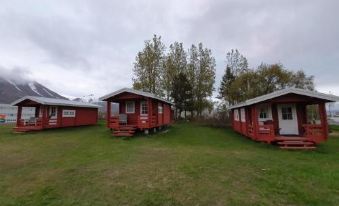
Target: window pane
{"x": 144, "y": 108}
{"x": 286, "y": 113}
{"x": 160, "y": 108}
{"x": 130, "y": 107}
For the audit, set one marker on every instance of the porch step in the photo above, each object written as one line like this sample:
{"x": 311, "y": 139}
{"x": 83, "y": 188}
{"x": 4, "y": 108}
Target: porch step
{"x": 296, "y": 144}
{"x": 125, "y": 131}
{"x": 285, "y": 138}
{"x": 123, "y": 134}
{"x": 126, "y": 128}
{"x": 298, "y": 148}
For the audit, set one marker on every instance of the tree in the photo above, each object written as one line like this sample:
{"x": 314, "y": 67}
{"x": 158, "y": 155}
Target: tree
{"x": 300, "y": 80}
{"x": 225, "y": 84}
{"x": 175, "y": 63}
{"x": 273, "y": 77}
{"x": 192, "y": 68}
{"x": 236, "y": 65}
{"x": 266, "y": 79}
{"x": 244, "y": 87}
{"x": 148, "y": 67}
{"x": 205, "y": 78}
{"x": 236, "y": 62}
{"x": 182, "y": 93}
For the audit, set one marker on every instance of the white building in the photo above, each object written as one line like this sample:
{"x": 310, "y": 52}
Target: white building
{"x": 10, "y": 112}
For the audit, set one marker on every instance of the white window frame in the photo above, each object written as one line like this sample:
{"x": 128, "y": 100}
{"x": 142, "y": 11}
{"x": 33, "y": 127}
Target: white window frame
{"x": 68, "y": 113}
{"x": 160, "y": 108}
{"x": 267, "y": 109}
{"x": 236, "y": 115}
{"x": 242, "y": 115}
{"x": 126, "y": 109}
{"x": 263, "y": 113}
{"x": 141, "y": 106}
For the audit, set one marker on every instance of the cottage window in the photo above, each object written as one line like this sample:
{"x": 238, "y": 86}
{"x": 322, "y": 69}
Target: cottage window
{"x": 160, "y": 108}
{"x": 143, "y": 108}
{"x": 130, "y": 107}
{"x": 52, "y": 112}
{"x": 242, "y": 115}
{"x": 68, "y": 113}
{"x": 236, "y": 115}
{"x": 286, "y": 113}
{"x": 263, "y": 113}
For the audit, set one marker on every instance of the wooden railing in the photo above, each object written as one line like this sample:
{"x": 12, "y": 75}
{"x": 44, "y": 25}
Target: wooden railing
{"x": 114, "y": 122}
{"x": 313, "y": 131}
{"x": 33, "y": 122}
{"x": 266, "y": 132}
{"x": 266, "y": 129}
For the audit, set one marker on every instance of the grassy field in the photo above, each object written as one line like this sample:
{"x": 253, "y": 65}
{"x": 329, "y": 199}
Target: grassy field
{"x": 187, "y": 165}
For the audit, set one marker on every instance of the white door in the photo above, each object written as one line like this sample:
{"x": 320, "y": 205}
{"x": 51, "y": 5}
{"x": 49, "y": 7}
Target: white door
{"x": 288, "y": 121}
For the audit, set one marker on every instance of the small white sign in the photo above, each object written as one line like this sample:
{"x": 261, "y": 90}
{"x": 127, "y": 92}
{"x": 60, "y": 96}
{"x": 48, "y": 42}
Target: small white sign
{"x": 68, "y": 113}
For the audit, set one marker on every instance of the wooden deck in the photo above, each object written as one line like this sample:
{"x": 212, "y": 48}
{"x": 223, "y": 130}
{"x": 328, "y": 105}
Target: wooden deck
{"x": 27, "y": 129}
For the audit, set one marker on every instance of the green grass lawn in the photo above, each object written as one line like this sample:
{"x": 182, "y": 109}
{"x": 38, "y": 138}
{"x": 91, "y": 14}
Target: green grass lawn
{"x": 188, "y": 165}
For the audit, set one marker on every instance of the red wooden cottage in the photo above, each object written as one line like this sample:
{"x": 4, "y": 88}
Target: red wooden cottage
{"x": 292, "y": 118}
{"x": 54, "y": 113}
{"x": 137, "y": 110}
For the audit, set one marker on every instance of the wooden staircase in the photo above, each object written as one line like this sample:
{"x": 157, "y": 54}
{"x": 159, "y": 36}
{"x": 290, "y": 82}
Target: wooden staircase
{"x": 125, "y": 131}
{"x": 295, "y": 143}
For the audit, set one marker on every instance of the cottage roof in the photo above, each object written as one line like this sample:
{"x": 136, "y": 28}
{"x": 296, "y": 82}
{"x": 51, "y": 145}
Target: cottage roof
{"x": 55, "y": 102}
{"x": 133, "y": 91}
{"x": 314, "y": 94}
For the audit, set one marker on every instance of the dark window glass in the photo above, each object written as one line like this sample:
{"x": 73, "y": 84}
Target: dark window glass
{"x": 286, "y": 113}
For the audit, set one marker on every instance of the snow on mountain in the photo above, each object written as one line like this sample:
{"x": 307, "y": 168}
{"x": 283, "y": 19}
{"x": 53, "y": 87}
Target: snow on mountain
{"x": 11, "y": 90}
{"x": 12, "y": 83}
{"x": 33, "y": 87}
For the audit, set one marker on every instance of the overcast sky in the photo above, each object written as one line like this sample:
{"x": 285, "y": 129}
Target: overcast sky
{"x": 82, "y": 47}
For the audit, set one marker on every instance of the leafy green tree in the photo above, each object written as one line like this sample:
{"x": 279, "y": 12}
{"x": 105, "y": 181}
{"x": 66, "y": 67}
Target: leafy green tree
{"x": 175, "y": 63}
{"x": 244, "y": 87}
{"x": 236, "y": 65}
{"x": 225, "y": 84}
{"x": 273, "y": 77}
{"x": 182, "y": 93}
{"x": 148, "y": 67}
{"x": 266, "y": 79}
{"x": 205, "y": 78}
{"x": 192, "y": 70}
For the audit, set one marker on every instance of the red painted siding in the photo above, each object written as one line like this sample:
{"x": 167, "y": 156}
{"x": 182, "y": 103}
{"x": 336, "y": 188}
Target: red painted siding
{"x": 267, "y": 131}
{"x": 152, "y": 120}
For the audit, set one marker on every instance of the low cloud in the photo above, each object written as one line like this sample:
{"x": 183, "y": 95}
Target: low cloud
{"x": 18, "y": 75}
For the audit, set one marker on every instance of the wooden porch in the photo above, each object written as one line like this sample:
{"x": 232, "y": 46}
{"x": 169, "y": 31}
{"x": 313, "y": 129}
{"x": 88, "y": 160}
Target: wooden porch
{"x": 311, "y": 134}
{"x": 32, "y": 124}
{"x": 122, "y": 126}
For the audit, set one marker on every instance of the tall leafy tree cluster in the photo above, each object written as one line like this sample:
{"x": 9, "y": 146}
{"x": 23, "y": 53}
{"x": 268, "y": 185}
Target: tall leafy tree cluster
{"x": 175, "y": 64}
{"x": 236, "y": 65}
{"x": 237, "y": 86}
{"x": 204, "y": 68}
{"x": 148, "y": 66}
{"x": 185, "y": 77}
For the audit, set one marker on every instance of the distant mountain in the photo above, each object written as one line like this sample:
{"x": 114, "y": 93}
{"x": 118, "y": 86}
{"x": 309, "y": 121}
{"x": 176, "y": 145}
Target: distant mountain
{"x": 11, "y": 90}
